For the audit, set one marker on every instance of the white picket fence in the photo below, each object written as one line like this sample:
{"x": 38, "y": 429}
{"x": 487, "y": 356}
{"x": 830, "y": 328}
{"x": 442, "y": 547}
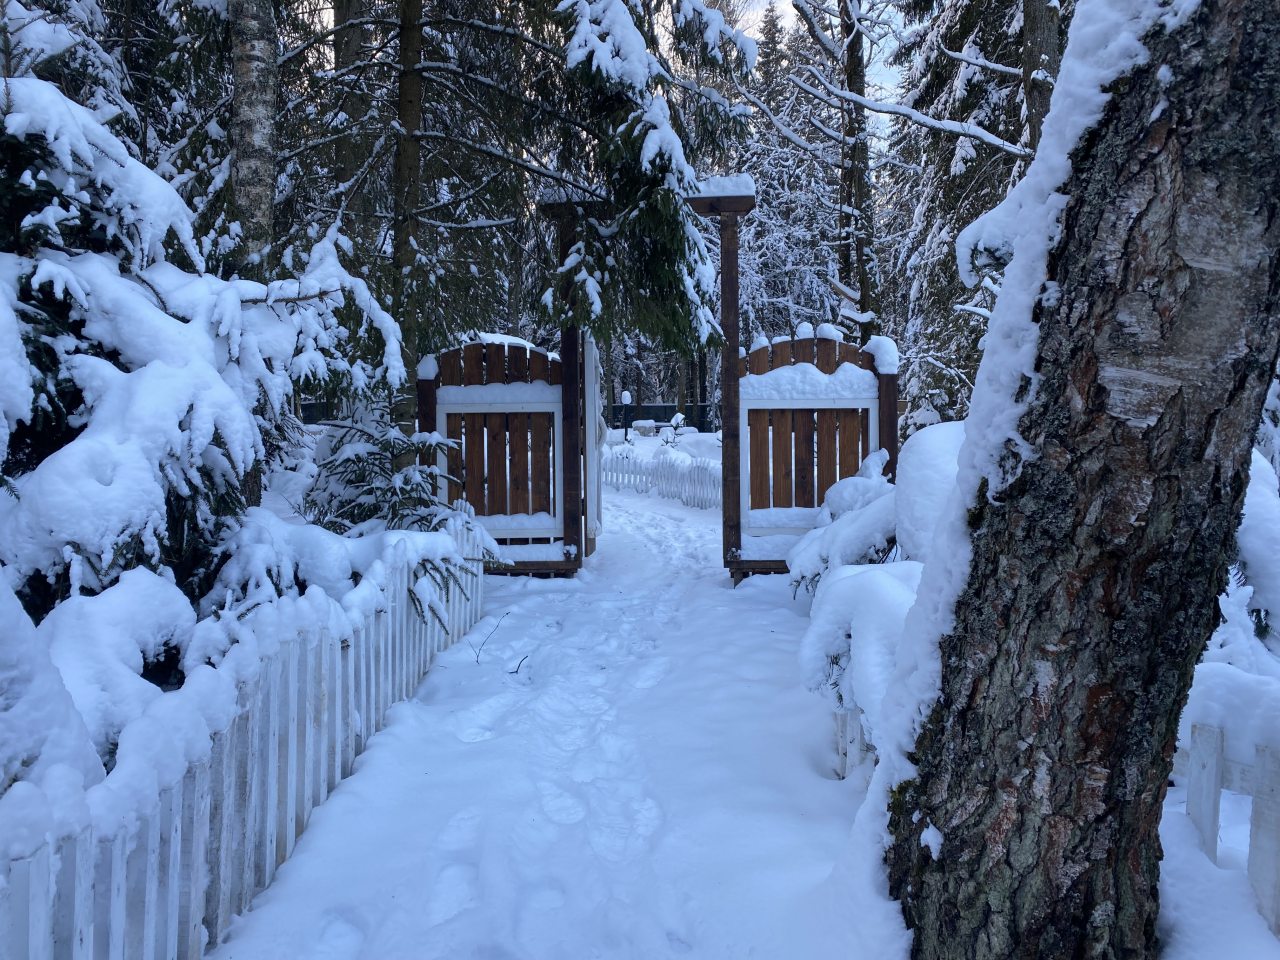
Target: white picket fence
{"x": 168, "y": 884}
{"x": 1208, "y": 772}
{"x": 695, "y": 481}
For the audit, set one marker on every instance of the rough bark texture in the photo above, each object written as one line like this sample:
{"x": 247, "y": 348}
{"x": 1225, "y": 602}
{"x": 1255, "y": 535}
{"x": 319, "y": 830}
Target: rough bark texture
{"x": 1041, "y": 54}
{"x": 406, "y": 192}
{"x": 254, "y": 51}
{"x": 1094, "y": 580}
{"x": 854, "y": 256}
{"x": 351, "y": 151}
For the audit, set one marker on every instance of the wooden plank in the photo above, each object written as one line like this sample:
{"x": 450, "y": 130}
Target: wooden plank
{"x": 453, "y": 458}
{"x": 758, "y": 458}
{"x": 827, "y": 356}
{"x": 888, "y": 420}
{"x": 571, "y": 437}
{"x": 538, "y": 365}
{"x": 496, "y": 462}
{"x": 782, "y": 434}
{"x": 1264, "y": 835}
{"x": 555, "y": 372}
{"x": 473, "y": 459}
{"x": 780, "y": 355}
{"x": 802, "y": 350}
{"x": 473, "y": 364}
{"x": 758, "y": 361}
{"x": 517, "y": 364}
{"x": 427, "y": 423}
{"x": 864, "y": 422}
{"x": 540, "y": 450}
{"x": 802, "y": 426}
{"x": 827, "y": 453}
{"x": 451, "y": 368}
{"x": 518, "y": 433}
{"x": 495, "y": 363}
{"x": 848, "y": 445}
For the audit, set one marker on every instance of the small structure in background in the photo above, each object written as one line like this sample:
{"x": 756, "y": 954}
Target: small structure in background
{"x": 526, "y": 444}
{"x": 806, "y": 425}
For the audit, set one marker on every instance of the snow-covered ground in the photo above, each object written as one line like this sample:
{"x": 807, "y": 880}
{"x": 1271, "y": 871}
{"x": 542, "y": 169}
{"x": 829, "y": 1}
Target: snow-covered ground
{"x": 652, "y": 781}
{"x": 627, "y": 766}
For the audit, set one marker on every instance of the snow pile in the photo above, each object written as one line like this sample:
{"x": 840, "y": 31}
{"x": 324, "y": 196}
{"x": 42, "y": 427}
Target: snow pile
{"x": 927, "y": 467}
{"x": 804, "y": 380}
{"x": 855, "y": 525}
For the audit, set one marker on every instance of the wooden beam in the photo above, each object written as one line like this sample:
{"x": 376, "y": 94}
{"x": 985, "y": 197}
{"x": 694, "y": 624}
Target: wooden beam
{"x": 731, "y": 464}
{"x": 888, "y": 420}
{"x": 714, "y": 206}
{"x": 571, "y": 437}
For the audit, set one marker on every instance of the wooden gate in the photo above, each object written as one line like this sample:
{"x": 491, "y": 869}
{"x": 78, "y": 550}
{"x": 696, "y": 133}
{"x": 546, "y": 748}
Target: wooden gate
{"x": 809, "y": 411}
{"x": 532, "y": 481}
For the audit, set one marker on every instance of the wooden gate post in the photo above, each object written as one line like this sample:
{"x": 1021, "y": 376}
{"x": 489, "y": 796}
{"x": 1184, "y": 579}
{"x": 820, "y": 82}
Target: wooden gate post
{"x": 730, "y": 465}
{"x": 571, "y": 437}
{"x": 728, "y": 207}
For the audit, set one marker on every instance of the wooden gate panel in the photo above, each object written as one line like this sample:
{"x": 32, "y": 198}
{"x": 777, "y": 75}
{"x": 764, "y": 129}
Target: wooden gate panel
{"x": 848, "y": 442}
{"x": 827, "y": 446}
{"x": 473, "y": 457}
{"x": 781, "y": 442}
{"x": 542, "y": 455}
{"x": 518, "y": 434}
{"x": 496, "y": 462}
{"x": 802, "y": 422}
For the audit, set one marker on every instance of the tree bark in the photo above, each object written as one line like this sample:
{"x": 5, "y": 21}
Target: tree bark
{"x": 351, "y": 151}
{"x": 406, "y": 197}
{"x": 1041, "y": 54}
{"x": 854, "y": 256}
{"x": 254, "y": 53}
{"x": 1093, "y": 583}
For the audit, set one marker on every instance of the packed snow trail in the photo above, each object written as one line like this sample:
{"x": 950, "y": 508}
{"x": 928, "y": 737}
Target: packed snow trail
{"x": 632, "y": 769}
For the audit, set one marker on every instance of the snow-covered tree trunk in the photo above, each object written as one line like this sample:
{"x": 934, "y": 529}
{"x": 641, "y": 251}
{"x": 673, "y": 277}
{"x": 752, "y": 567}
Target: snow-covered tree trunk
{"x": 1031, "y": 827}
{"x": 854, "y": 258}
{"x": 1041, "y": 53}
{"x": 254, "y": 52}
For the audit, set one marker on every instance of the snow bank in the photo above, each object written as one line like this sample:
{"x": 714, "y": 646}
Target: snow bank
{"x": 927, "y": 467}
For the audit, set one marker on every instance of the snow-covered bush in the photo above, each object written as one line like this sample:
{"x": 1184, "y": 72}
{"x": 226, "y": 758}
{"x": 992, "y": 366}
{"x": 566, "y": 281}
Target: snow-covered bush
{"x": 854, "y": 525}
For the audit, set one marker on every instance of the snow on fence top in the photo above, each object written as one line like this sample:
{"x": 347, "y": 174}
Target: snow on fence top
{"x": 734, "y": 185}
{"x": 805, "y": 381}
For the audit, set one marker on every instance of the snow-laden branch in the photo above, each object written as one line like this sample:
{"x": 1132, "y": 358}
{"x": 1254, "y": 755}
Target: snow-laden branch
{"x": 957, "y": 128}
{"x": 984, "y": 64}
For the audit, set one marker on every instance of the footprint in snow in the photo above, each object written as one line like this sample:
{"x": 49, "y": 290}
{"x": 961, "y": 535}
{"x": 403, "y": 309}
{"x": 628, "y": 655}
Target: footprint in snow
{"x": 473, "y": 724}
{"x": 453, "y": 891}
{"x": 340, "y": 939}
{"x": 560, "y": 806}
{"x": 461, "y": 830}
{"x": 650, "y": 673}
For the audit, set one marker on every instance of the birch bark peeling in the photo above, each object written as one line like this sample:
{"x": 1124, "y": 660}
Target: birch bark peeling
{"x": 254, "y": 52}
{"x": 1094, "y": 579}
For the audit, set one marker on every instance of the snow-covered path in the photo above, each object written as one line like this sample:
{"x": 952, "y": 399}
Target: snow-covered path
{"x": 631, "y": 770}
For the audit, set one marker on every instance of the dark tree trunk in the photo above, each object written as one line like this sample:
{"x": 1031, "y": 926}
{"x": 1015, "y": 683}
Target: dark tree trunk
{"x": 352, "y": 150}
{"x": 406, "y": 195}
{"x": 254, "y": 54}
{"x": 1094, "y": 579}
{"x": 854, "y": 257}
{"x": 1041, "y": 54}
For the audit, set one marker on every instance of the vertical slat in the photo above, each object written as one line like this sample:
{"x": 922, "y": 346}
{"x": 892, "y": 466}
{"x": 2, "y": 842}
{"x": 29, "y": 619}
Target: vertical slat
{"x": 269, "y": 750}
{"x": 825, "y": 441}
{"x": 301, "y": 735}
{"x": 780, "y": 355}
{"x": 538, "y": 365}
{"x": 109, "y": 918}
{"x": 802, "y": 423}
{"x": 864, "y": 428}
{"x": 337, "y": 711}
{"x": 170, "y": 871}
{"x": 350, "y": 708}
{"x": 31, "y": 904}
{"x": 555, "y": 371}
{"x": 287, "y": 812}
{"x": 222, "y": 830}
{"x": 887, "y": 412}
{"x": 142, "y": 886}
{"x": 827, "y": 356}
{"x": 495, "y": 363}
{"x": 849, "y": 430}
{"x": 518, "y": 431}
{"x": 195, "y": 860}
{"x": 249, "y": 795}
{"x": 802, "y": 350}
{"x": 758, "y": 458}
{"x": 517, "y": 363}
{"x": 540, "y": 429}
{"x": 473, "y": 364}
{"x": 450, "y": 368}
{"x": 73, "y": 901}
{"x": 318, "y": 740}
{"x": 473, "y": 457}
{"x": 496, "y": 463}
{"x": 1264, "y": 835}
{"x": 453, "y": 456}
{"x": 1204, "y": 787}
{"x": 781, "y": 441}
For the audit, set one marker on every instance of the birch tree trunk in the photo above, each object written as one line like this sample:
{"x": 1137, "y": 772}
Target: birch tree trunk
{"x": 254, "y": 53}
{"x": 1094, "y": 579}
